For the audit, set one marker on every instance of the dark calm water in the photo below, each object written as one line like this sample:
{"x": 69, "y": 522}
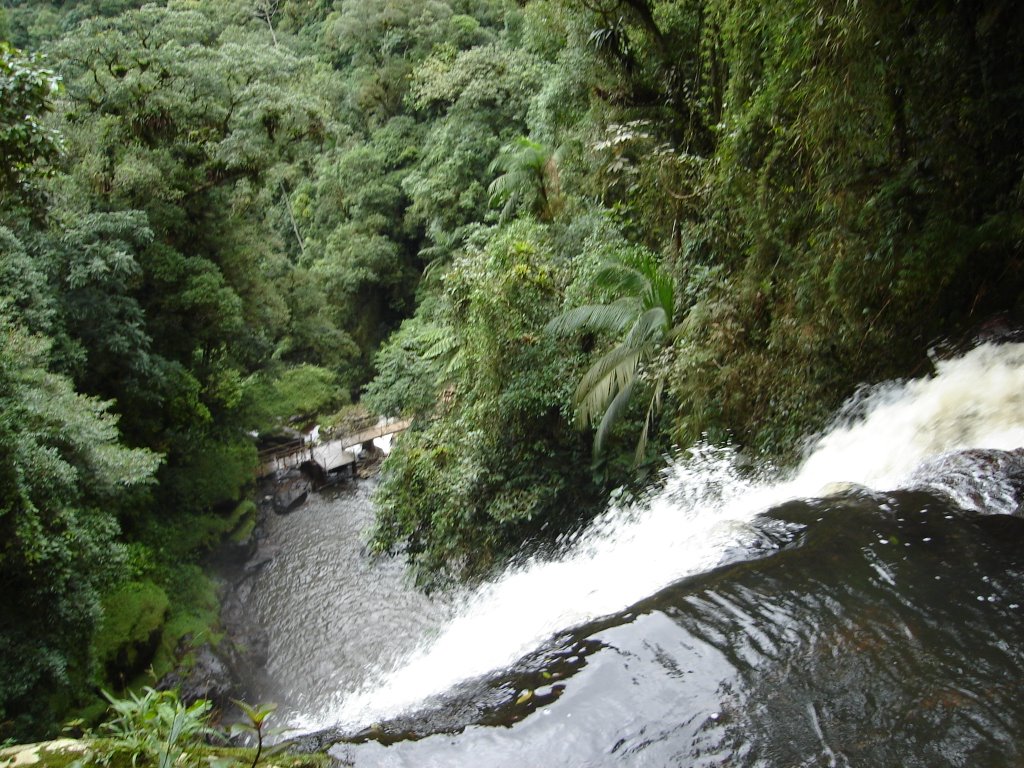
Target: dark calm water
{"x": 723, "y": 620}
{"x": 880, "y": 630}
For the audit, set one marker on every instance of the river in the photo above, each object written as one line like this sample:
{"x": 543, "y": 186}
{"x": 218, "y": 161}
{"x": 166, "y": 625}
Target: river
{"x": 864, "y": 610}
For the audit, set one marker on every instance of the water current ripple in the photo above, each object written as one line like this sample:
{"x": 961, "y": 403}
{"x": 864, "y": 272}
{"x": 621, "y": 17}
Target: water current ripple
{"x": 865, "y": 610}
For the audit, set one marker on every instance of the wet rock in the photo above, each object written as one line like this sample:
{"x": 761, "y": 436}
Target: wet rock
{"x": 214, "y": 672}
{"x": 1000, "y": 328}
{"x": 291, "y": 492}
{"x": 236, "y": 551}
{"x": 260, "y": 558}
{"x": 246, "y": 646}
{"x": 246, "y": 653}
{"x": 980, "y": 480}
{"x": 841, "y": 488}
{"x": 202, "y": 673}
{"x": 316, "y": 474}
{"x": 134, "y": 617}
{"x": 370, "y": 458}
{"x": 241, "y": 542}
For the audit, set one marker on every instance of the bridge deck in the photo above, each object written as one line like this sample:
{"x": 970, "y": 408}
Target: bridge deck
{"x": 332, "y": 455}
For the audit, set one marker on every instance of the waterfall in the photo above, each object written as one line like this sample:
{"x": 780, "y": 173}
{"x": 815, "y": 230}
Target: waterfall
{"x": 700, "y": 510}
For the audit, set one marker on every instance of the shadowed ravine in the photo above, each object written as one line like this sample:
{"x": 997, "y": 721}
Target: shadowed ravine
{"x": 726, "y": 619}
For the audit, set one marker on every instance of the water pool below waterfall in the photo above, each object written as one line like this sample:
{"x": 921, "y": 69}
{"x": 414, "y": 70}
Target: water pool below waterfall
{"x": 726, "y": 619}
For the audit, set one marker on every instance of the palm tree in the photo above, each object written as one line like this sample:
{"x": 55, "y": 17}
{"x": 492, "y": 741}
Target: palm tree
{"x": 644, "y": 312}
{"x": 528, "y": 179}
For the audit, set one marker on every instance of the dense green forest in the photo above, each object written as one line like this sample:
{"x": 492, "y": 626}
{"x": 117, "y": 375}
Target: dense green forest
{"x": 563, "y": 235}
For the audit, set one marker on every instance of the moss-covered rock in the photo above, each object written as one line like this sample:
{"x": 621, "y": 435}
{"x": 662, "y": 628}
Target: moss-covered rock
{"x": 58, "y": 753}
{"x": 113, "y": 754}
{"x": 242, "y": 523}
{"x": 133, "y": 617}
{"x": 193, "y": 619}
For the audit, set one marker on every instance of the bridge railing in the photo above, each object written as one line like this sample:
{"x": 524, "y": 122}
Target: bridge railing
{"x": 355, "y": 427}
{"x": 373, "y": 429}
{"x": 271, "y": 458}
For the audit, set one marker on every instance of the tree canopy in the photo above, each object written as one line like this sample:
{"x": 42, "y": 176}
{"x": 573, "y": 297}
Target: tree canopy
{"x": 225, "y": 217}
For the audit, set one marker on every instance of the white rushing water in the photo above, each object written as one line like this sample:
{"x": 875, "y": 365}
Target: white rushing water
{"x": 702, "y": 509}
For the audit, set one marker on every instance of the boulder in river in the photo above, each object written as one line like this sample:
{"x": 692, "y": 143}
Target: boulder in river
{"x": 291, "y": 492}
{"x": 982, "y": 480}
{"x": 370, "y": 458}
{"x": 315, "y": 473}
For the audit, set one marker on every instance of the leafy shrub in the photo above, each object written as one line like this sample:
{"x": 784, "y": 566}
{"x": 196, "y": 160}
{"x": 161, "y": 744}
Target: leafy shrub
{"x": 156, "y": 727}
{"x": 302, "y": 391}
{"x": 487, "y": 472}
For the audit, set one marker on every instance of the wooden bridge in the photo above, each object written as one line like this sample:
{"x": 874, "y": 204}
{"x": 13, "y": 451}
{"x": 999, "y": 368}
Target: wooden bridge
{"x": 332, "y": 455}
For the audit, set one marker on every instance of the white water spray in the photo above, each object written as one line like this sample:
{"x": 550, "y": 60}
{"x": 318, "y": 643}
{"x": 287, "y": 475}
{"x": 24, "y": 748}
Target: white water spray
{"x": 702, "y": 510}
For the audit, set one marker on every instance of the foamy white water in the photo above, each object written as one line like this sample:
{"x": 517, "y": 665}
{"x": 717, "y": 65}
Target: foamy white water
{"x": 974, "y": 401}
{"x": 702, "y": 510}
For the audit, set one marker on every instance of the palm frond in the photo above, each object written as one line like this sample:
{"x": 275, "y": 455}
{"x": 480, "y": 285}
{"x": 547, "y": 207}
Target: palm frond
{"x": 504, "y": 188}
{"x": 662, "y": 293}
{"x": 650, "y": 327}
{"x": 611, "y": 415}
{"x": 652, "y": 409}
{"x": 507, "y": 210}
{"x": 457, "y": 363}
{"x": 609, "y": 318}
{"x": 610, "y": 374}
{"x": 441, "y": 342}
{"x": 521, "y": 152}
{"x": 435, "y": 269}
{"x": 619, "y": 279}
{"x": 644, "y": 310}
{"x": 522, "y": 168}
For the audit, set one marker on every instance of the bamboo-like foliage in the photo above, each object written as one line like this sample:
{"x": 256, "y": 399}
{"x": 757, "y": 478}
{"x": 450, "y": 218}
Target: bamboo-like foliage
{"x": 642, "y": 316}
